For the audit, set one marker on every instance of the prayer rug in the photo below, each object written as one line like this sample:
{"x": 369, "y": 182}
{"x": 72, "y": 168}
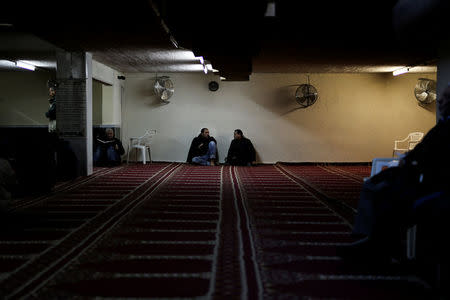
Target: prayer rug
{"x": 176, "y": 231}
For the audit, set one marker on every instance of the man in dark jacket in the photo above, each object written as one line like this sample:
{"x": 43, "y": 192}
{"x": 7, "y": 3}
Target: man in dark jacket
{"x": 203, "y": 150}
{"x": 241, "y": 151}
{"x": 108, "y": 150}
{"x": 51, "y": 113}
{"x": 389, "y": 201}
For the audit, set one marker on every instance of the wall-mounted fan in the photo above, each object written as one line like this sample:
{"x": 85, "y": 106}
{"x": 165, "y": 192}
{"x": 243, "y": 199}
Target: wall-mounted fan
{"x": 425, "y": 91}
{"x": 163, "y": 88}
{"x": 306, "y": 95}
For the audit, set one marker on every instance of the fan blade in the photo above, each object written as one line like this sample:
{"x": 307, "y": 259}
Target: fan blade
{"x": 300, "y": 99}
{"x": 164, "y": 95}
{"x": 432, "y": 96}
{"x": 158, "y": 88}
{"x": 421, "y": 96}
{"x": 168, "y": 84}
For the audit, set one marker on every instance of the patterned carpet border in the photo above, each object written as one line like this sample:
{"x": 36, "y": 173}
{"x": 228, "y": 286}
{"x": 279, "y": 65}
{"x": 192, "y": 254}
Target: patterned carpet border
{"x": 254, "y": 286}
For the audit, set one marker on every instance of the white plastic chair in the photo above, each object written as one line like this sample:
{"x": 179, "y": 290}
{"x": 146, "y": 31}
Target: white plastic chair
{"x": 141, "y": 143}
{"x": 408, "y": 143}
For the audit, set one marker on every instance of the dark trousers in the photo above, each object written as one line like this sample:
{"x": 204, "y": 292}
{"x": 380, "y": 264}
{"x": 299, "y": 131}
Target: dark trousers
{"x": 106, "y": 155}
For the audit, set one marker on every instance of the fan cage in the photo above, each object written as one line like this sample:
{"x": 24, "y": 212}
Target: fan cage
{"x": 306, "y": 95}
{"x": 425, "y": 91}
{"x": 163, "y": 88}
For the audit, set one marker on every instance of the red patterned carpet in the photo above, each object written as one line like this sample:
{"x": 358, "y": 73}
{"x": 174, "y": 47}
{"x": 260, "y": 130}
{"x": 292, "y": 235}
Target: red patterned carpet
{"x": 174, "y": 231}
{"x": 342, "y": 183}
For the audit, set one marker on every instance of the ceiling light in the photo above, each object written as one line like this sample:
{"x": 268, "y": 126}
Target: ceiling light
{"x": 401, "y": 71}
{"x": 23, "y": 65}
{"x": 270, "y": 10}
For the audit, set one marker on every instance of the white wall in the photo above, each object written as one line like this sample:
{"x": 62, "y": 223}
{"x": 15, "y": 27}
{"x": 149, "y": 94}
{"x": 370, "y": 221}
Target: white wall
{"x": 357, "y": 116}
{"x": 97, "y": 96}
{"x": 110, "y": 105}
{"x": 111, "y": 93}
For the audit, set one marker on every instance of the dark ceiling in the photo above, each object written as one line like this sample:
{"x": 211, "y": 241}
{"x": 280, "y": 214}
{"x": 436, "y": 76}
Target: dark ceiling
{"x": 235, "y": 35}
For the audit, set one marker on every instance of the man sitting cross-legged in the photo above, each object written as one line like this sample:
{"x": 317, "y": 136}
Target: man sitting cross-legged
{"x": 203, "y": 150}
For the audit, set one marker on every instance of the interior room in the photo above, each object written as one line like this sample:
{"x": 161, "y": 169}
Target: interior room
{"x": 329, "y": 94}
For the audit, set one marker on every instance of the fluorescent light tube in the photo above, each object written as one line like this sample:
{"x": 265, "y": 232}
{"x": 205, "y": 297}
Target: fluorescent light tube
{"x": 23, "y": 65}
{"x": 270, "y": 10}
{"x": 400, "y": 71}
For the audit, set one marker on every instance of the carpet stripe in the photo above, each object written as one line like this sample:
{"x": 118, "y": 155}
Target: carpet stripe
{"x": 256, "y": 286}
{"x": 359, "y": 172}
{"x": 215, "y": 256}
{"x": 173, "y": 230}
{"x": 18, "y": 256}
{"x": 242, "y": 265}
{"x": 204, "y": 275}
{"x": 170, "y": 257}
{"x": 342, "y": 173}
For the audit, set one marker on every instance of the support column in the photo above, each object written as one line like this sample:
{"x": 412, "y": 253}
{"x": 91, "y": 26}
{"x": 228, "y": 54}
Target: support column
{"x": 443, "y": 71}
{"x": 74, "y": 105}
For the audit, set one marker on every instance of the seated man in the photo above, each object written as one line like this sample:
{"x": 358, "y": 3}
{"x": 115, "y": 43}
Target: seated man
{"x": 108, "y": 150}
{"x": 386, "y": 204}
{"x": 241, "y": 151}
{"x": 203, "y": 150}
